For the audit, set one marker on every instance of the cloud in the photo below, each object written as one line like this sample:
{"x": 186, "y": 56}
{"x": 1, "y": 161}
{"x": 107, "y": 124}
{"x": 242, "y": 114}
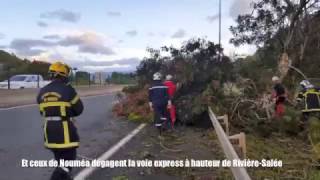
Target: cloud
{"x": 132, "y": 33}
{"x": 63, "y": 15}
{"x": 87, "y": 42}
{"x": 52, "y": 36}
{"x": 240, "y": 7}
{"x": 126, "y": 64}
{"x": 2, "y": 36}
{"x": 151, "y": 34}
{"x": 42, "y": 24}
{"x": 88, "y": 62}
{"x": 29, "y": 47}
{"x": 212, "y": 18}
{"x": 3, "y": 47}
{"x": 113, "y": 13}
{"x": 179, "y": 34}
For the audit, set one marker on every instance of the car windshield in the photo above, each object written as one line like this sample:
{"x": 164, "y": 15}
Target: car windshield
{"x": 18, "y": 78}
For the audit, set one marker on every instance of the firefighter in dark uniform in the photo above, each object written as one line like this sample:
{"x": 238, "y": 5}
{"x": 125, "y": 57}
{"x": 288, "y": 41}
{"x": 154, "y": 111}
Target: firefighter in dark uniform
{"x": 59, "y": 102}
{"x": 159, "y": 101}
{"x": 309, "y": 97}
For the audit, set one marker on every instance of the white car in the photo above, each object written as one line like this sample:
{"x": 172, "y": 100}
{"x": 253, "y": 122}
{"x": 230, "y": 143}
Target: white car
{"x": 24, "y": 81}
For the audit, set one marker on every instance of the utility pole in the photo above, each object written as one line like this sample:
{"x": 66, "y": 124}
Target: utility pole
{"x": 220, "y": 29}
{"x": 8, "y": 76}
{"x": 38, "y": 81}
{"x": 75, "y": 75}
{"x": 89, "y": 79}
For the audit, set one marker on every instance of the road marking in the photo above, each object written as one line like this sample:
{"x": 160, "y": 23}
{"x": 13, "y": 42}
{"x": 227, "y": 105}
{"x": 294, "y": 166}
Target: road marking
{"x": 82, "y": 175}
{"x": 30, "y": 105}
{"x": 17, "y": 107}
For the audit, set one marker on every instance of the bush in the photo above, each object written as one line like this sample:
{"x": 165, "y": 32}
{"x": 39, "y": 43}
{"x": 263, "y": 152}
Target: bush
{"x": 314, "y": 134}
{"x": 290, "y": 122}
{"x": 131, "y": 89}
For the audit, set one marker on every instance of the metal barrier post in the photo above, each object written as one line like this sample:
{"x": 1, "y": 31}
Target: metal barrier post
{"x": 239, "y": 173}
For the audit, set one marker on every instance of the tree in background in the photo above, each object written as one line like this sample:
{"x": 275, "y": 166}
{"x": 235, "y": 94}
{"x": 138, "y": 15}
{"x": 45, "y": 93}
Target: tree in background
{"x": 287, "y": 28}
{"x": 13, "y": 65}
{"x": 122, "y": 78}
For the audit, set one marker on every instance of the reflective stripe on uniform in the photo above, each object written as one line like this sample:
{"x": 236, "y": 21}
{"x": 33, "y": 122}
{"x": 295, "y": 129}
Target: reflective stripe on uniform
{"x": 159, "y": 87}
{"x": 65, "y": 145}
{"x": 311, "y": 110}
{"x": 54, "y": 118}
{"x": 51, "y": 94}
{"x": 305, "y": 95}
{"x": 60, "y": 104}
{"x": 75, "y": 99}
{"x": 66, "y": 132}
{"x": 45, "y": 132}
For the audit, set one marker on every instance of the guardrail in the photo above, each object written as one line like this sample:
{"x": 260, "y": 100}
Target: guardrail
{"x": 239, "y": 173}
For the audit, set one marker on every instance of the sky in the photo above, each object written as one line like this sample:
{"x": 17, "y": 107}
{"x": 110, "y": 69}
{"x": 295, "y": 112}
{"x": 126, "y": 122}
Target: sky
{"x": 112, "y": 35}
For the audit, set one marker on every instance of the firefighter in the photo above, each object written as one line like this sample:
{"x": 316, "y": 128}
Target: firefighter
{"x": 309, "y": 96}
{"x": 279, "y": 97}
{"x": 309, "y": 99}
{"x": 59, "y": 103}
{"x": 171, "y": 91}
{"x": 159, "y": 101}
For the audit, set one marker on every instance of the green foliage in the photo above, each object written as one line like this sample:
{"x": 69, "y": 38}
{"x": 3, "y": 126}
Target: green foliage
{"x": 294, "y": 153}
{"x": 134, "y": 117}
{"x": 290, "y": 122}
{"x": 271, "y": 18}
{"x": 194, "y": 65}
{"x": 277, "y": 27}
{"x": 120, "y": 178}
{"x": 314, "y": 134}
{"x": 13, "y": 65}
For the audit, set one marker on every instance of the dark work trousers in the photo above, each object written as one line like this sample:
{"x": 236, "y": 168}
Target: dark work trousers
{"x": 160, "y": 115}
{"x": 65, "y": 154}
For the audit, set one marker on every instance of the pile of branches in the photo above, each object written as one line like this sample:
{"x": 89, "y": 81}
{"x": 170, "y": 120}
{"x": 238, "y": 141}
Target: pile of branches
{"x": 132, "y": 103}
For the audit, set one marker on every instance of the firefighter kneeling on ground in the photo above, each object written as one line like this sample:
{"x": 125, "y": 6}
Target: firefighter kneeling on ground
{"x": 159, "y": 102}
{"x": 59, "y": 102}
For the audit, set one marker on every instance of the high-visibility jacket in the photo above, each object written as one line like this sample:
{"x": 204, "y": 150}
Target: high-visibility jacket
{"x": 158, "y": 94}
{"x": 171, "y": 91}
{"x": 59, "y": 102}
{"x": 311, "y": 98}
{"x": 171, "y": 88}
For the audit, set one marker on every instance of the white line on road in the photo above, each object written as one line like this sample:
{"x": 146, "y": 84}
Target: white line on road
{"x": 17, "y": 107}
{"x": 30, "y": 105}
{"x": 87, "y": 171}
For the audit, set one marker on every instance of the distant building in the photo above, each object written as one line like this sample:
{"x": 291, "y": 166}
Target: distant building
{"x": 100, "y": 77}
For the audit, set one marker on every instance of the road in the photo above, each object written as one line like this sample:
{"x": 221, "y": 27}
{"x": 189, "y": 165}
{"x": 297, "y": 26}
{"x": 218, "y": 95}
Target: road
{"x": 21, "y": 136}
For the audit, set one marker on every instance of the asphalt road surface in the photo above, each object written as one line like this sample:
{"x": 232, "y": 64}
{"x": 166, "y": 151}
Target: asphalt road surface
{"x": 21, "y": 136}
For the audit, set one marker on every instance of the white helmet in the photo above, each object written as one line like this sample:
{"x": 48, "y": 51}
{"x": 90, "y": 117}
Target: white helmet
{"x": 275, "y": 78}
{"x": 169, "y": 77}
{"x": 306, "y": 84}
{"x": 157, "y": 76}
